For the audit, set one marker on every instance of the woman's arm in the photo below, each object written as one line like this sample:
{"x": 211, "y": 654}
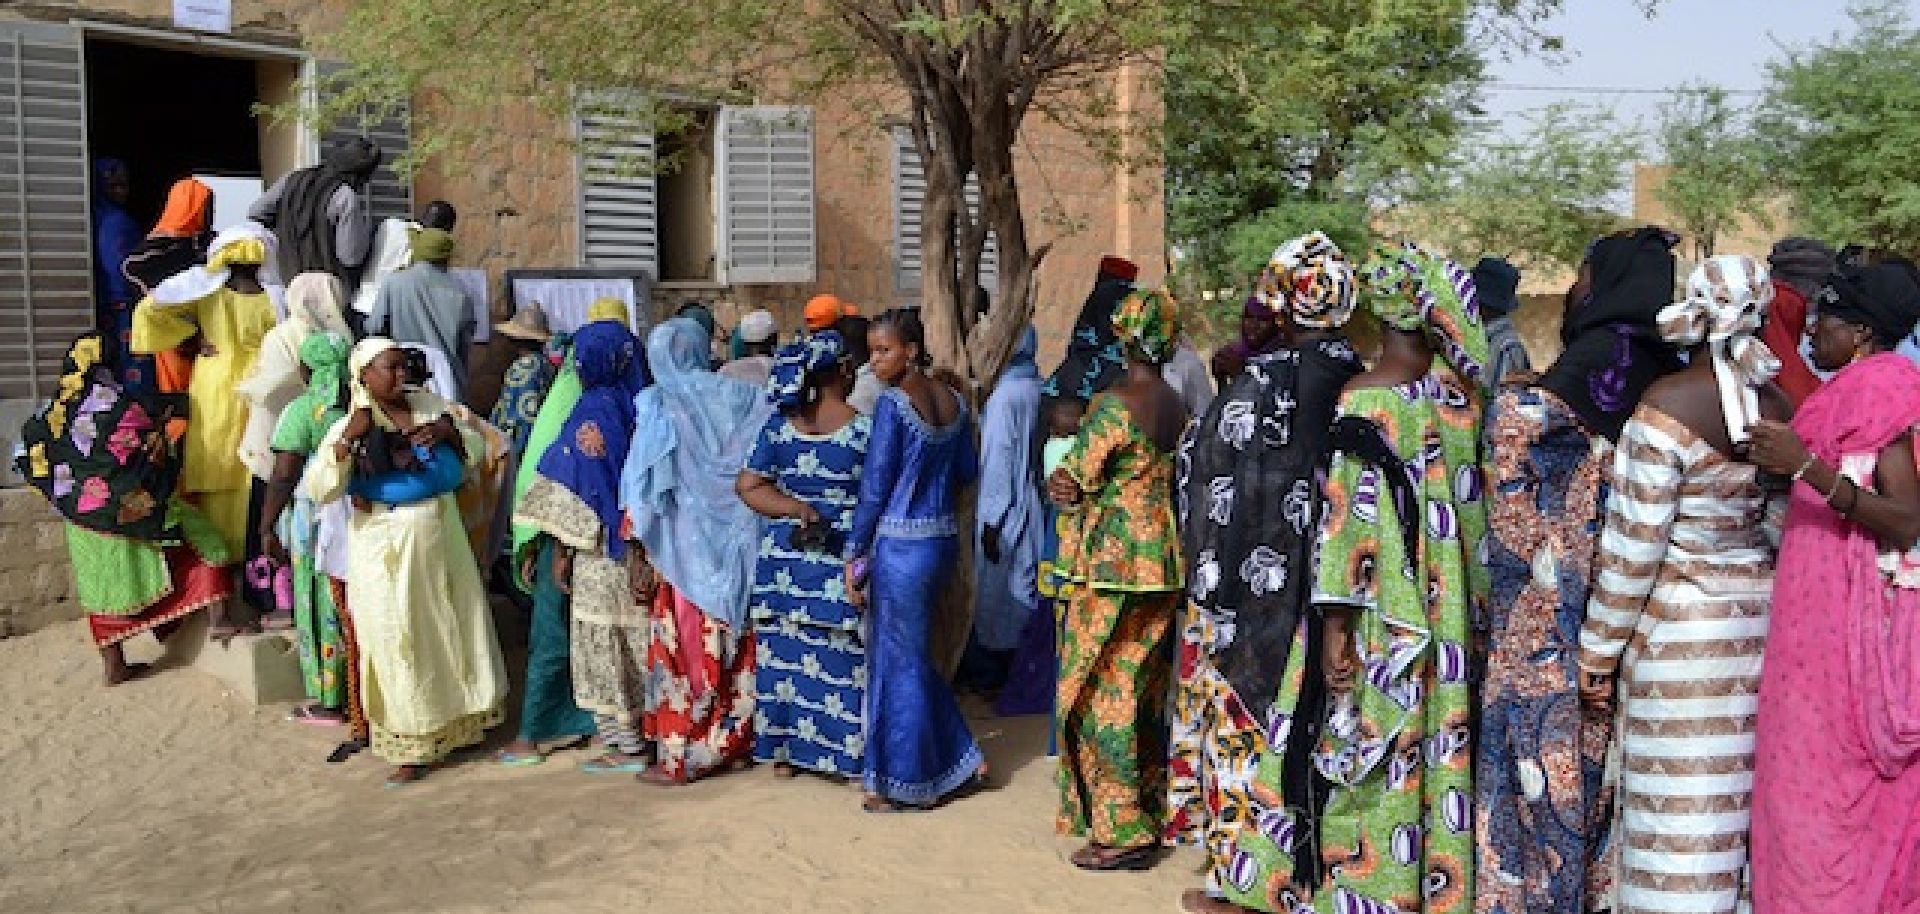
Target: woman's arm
{"x": 1892, "y": 512}
{"x": 287, "y": 467}
{"x": 878, "y": 476}
{"x": 1644, "y": 499}
{"x": 766, "y": 499}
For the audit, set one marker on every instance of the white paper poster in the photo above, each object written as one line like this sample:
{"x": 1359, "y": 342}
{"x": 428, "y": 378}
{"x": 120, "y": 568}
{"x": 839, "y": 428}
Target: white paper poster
{"x": 567, "y": 301}
{"x": 203, "y": 15}
{"x": 474, "y": 281}
{"x": 232, "y": 197}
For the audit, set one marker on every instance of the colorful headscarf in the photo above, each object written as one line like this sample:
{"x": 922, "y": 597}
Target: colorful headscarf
{"x": 592, "y": 446}
{"x": 423, "y": 404}
{"x": 325, "y": 355}
{"x": 431, "y": 245}
{"x": 1310, "y": 279}
{"x": 787, "y": 386}
{"x": 246, "y": 243}
{"x": 1148, "y": 325}
{"x": 607, "y": 309}
{"x": 1410, "y": 288}
{"x": 188, "y": 212}
{"x": 1727, "y": 299}
{"x": 91, "y": 451}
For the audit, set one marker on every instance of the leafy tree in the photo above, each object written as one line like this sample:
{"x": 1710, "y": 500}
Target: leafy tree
{"x": 967, "y": 73}
{"x": 1717, "y": 172}
{"x": 1843, "y": 120}
{"x": 1538, "y": 199}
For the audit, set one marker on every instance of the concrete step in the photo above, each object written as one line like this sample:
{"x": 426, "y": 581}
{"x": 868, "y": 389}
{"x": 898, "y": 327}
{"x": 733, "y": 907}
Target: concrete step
{"x": 263, "y": 669}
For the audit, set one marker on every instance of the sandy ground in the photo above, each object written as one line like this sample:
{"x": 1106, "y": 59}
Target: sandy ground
{"x": 172, "y": 794}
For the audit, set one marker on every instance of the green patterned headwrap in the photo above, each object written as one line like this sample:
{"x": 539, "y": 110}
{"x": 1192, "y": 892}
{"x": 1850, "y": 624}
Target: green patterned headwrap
{"x": 325, "y": 355}
{"x": 1148, "y": 325}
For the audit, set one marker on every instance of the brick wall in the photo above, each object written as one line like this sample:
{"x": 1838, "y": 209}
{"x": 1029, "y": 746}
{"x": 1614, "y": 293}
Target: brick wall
{"x": 34, "y": 574}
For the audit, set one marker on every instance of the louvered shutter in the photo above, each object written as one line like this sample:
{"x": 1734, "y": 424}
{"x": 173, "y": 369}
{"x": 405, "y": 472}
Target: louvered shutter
{"x": 619, "y": 210}
{"x": 909, "y": 196}
{"x": 766, "y": 195}
{"x": 46, "y": 275}
{"x": 389, "y": 196}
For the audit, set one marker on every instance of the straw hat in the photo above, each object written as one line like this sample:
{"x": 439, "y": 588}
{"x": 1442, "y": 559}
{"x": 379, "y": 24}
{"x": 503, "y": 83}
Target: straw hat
{"x": 528, "y": 323}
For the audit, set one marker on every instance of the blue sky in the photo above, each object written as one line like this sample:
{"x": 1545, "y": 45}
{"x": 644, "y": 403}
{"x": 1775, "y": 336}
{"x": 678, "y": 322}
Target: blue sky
{"x": 1611, "y": 44}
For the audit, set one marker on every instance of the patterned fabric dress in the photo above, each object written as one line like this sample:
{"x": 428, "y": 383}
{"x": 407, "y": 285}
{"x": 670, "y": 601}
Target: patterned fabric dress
{"x": 322, "y": 640}
{"x": 521, "y": 390}
{"x": 1679, "y": 609}
{"x": 1541, "y": 809}
{"x": 1115, "y": 662}
{"x": 1250, "y": 505}
{"x": 812, "y": 671}
{"x": 1394, "y": 831}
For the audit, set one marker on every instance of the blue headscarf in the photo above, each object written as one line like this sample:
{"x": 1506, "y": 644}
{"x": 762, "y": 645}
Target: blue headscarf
{"x": 795, "y": 362}
{"x": 694, "y": 431}
{"x": 1021, "y": 363}
{"x": 586, "y": 457}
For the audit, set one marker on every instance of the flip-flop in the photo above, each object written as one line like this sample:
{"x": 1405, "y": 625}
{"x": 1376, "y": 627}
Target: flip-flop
{"x": 1137, "y": 860}
{"x": 315, "y": 717}
{"x": 881, "y": 806}
{"x": 603, "y": 766}
{"x": 519, "y": 759}
{"x": 345, "y": 750}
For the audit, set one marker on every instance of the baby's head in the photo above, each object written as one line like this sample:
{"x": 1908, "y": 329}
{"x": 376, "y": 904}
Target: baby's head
{"x": 1063, "y": 417}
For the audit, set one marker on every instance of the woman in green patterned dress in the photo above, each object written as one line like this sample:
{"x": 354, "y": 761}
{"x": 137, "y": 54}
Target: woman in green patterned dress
{"x": 1383, "y": 822}
{"x": 1124, "y": 558}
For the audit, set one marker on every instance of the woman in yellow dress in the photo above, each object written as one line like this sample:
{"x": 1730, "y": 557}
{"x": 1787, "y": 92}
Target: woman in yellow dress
{"x": 231, "y": 311}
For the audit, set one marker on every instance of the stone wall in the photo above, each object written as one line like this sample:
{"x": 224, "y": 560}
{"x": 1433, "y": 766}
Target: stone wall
{"x": 36, "y": 582}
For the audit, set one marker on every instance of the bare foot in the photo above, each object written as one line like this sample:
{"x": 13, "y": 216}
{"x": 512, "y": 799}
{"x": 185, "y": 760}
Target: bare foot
{"x": 127, "y": 673}
{"x": 783, "y": 770}
{"x": 403, "y": 775}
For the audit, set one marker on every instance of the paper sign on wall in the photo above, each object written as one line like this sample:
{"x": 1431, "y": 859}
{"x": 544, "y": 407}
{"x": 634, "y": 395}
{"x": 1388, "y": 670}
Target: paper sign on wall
{"x": 474, "y": 281}
{"x": 203, "y": 15}
{"x": 566, "y": 300}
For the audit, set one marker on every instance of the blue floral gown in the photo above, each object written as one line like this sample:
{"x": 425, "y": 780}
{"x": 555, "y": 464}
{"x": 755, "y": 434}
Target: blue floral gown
{"x": 811, "y": 675}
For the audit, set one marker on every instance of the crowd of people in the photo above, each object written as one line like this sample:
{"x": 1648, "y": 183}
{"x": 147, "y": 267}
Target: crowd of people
{"x": 1414, "y": 629}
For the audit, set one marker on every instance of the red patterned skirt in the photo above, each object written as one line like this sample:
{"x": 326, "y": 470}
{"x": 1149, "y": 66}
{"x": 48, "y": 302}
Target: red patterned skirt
{"x": 196, "y": 585}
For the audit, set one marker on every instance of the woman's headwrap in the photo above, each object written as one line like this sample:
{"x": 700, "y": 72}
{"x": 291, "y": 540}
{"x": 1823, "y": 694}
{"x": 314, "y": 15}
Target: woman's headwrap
{"x": 587, "y": 457}
{"x": 607, "y": 309}
{"x": 1025, "y": 350}
{"x": 1148, "y": 325}
{"x": 795, "y": 362}
{"x": 695, "y": 429}
{"x": 1309, "y": 279}
{"x": 248, "y": 243}
{"x": 1883, "y": 297}
{"x": 1498, "y": 284}
{"x": 1410, "y": 288}
{"x": 188, "y": 212}
{"x": 431, "y": 245}
{"x": 325, "y": 355}
{"x": 702, "y": 315}
{"x": 315, "y": 302}
{"x": 1727, "y": 299}
{"x": 90, "y": 451}
{"x": 1613, "y": 347}
{"x": 423, "y": 404}
{"x": 1803, "y": 263}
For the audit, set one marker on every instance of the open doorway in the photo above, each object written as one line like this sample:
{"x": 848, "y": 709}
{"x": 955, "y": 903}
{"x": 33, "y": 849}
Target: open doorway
{"x": 686, "y": 201}
{"x": 171, "y": 113}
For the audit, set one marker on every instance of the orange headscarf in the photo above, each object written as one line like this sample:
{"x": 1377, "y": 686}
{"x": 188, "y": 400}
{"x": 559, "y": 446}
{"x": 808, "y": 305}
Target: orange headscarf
{"x": 824, "y": 309}
{"x": 189, "y": 210}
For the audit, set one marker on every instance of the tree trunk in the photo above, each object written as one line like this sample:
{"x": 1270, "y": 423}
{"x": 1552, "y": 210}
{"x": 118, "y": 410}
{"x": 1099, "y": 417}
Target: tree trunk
{"x": 992, "y": 340}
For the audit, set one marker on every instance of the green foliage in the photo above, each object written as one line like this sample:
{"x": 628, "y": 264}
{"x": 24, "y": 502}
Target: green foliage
{"x": 1717, "y": 169}
{"x": 1538, "y": 199}
{"x": 1843, "y": 121}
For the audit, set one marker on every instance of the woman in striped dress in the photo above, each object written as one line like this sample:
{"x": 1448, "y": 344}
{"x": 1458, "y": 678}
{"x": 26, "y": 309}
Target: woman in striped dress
{"x": 1679, "y": 607}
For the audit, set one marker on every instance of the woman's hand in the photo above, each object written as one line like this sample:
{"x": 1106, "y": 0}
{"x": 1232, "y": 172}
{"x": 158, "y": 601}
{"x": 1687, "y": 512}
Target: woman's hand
{"x": 359, "y": 425}
{"x": 642, "y": 578}
{"x": 1596, "y": 694}
{"x": 528, "y": 567}
{"x": 271, "y": 547}
{"x": 804, "y": 513}
{"x": 563, "y": 569}
{"x": 440, "y": 431}
{"x": 856, "y": 588}
{"x": 208, "y": 350}
{"x": 1062, "y": 489}
{"x": 1776, "y": 449}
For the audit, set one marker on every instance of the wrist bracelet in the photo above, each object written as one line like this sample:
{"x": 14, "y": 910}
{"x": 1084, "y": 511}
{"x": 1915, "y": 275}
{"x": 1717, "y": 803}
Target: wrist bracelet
{"x": 1853, "y": 502}
{"x": 1838, "y": 478}
{"x": 1797, "y": 474}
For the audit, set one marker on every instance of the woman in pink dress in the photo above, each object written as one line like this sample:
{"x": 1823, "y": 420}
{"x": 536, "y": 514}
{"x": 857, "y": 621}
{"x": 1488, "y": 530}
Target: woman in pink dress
{"x": 1836, "y": 800}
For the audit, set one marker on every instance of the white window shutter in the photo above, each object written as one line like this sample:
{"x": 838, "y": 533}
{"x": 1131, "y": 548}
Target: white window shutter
{"x": 389, "y": 197}
{"x": 909, "y": 196}
{"x": 766, "y": 219}
{"x": 46, "y": 256}
{"x": 619, "y": 208}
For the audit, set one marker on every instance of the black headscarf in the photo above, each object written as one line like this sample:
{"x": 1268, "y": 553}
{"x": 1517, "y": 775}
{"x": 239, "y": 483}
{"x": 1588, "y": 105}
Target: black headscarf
{"x": 302, "y": 227}
{"x": 1498, "y": 284}
{"x": 1614, "y": 351}
{"x": 1884, "y": 297}
{"x": 1094, "y": 357}
{"x": 1802, "y": 263}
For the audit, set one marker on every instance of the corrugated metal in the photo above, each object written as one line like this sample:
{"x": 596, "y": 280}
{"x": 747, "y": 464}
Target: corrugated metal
{"x": 619, "y": 197}
{"x": 766, "y": 193}
{"x": 46, "y": 277}
{"x": 909, "y": 197}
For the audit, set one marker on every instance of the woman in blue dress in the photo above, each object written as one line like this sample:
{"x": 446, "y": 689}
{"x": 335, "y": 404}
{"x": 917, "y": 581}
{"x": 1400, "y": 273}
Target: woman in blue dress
{"x": 804, "y": 476}
{"x": 903, "y": 549}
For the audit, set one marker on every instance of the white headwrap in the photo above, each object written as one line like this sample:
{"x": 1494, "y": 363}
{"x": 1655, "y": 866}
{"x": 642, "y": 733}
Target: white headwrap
{"x": 198, "y": 282}
{"x": 1727, "y": 299}
{"x": 424, "y": 405}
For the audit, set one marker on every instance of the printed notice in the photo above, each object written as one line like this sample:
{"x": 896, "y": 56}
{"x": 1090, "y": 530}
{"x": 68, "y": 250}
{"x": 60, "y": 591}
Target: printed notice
{"x": 203, "y": 15}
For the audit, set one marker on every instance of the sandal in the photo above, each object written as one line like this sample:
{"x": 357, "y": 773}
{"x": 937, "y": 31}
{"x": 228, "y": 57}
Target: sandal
{"x": 345, "y": 751}
{"x": 614, "y": 764}
{"x": 1094, "y": 859}
{"x": 316, "y": 716}
{"x": 884, "y": 806}
{"x": 511, "y": 759}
